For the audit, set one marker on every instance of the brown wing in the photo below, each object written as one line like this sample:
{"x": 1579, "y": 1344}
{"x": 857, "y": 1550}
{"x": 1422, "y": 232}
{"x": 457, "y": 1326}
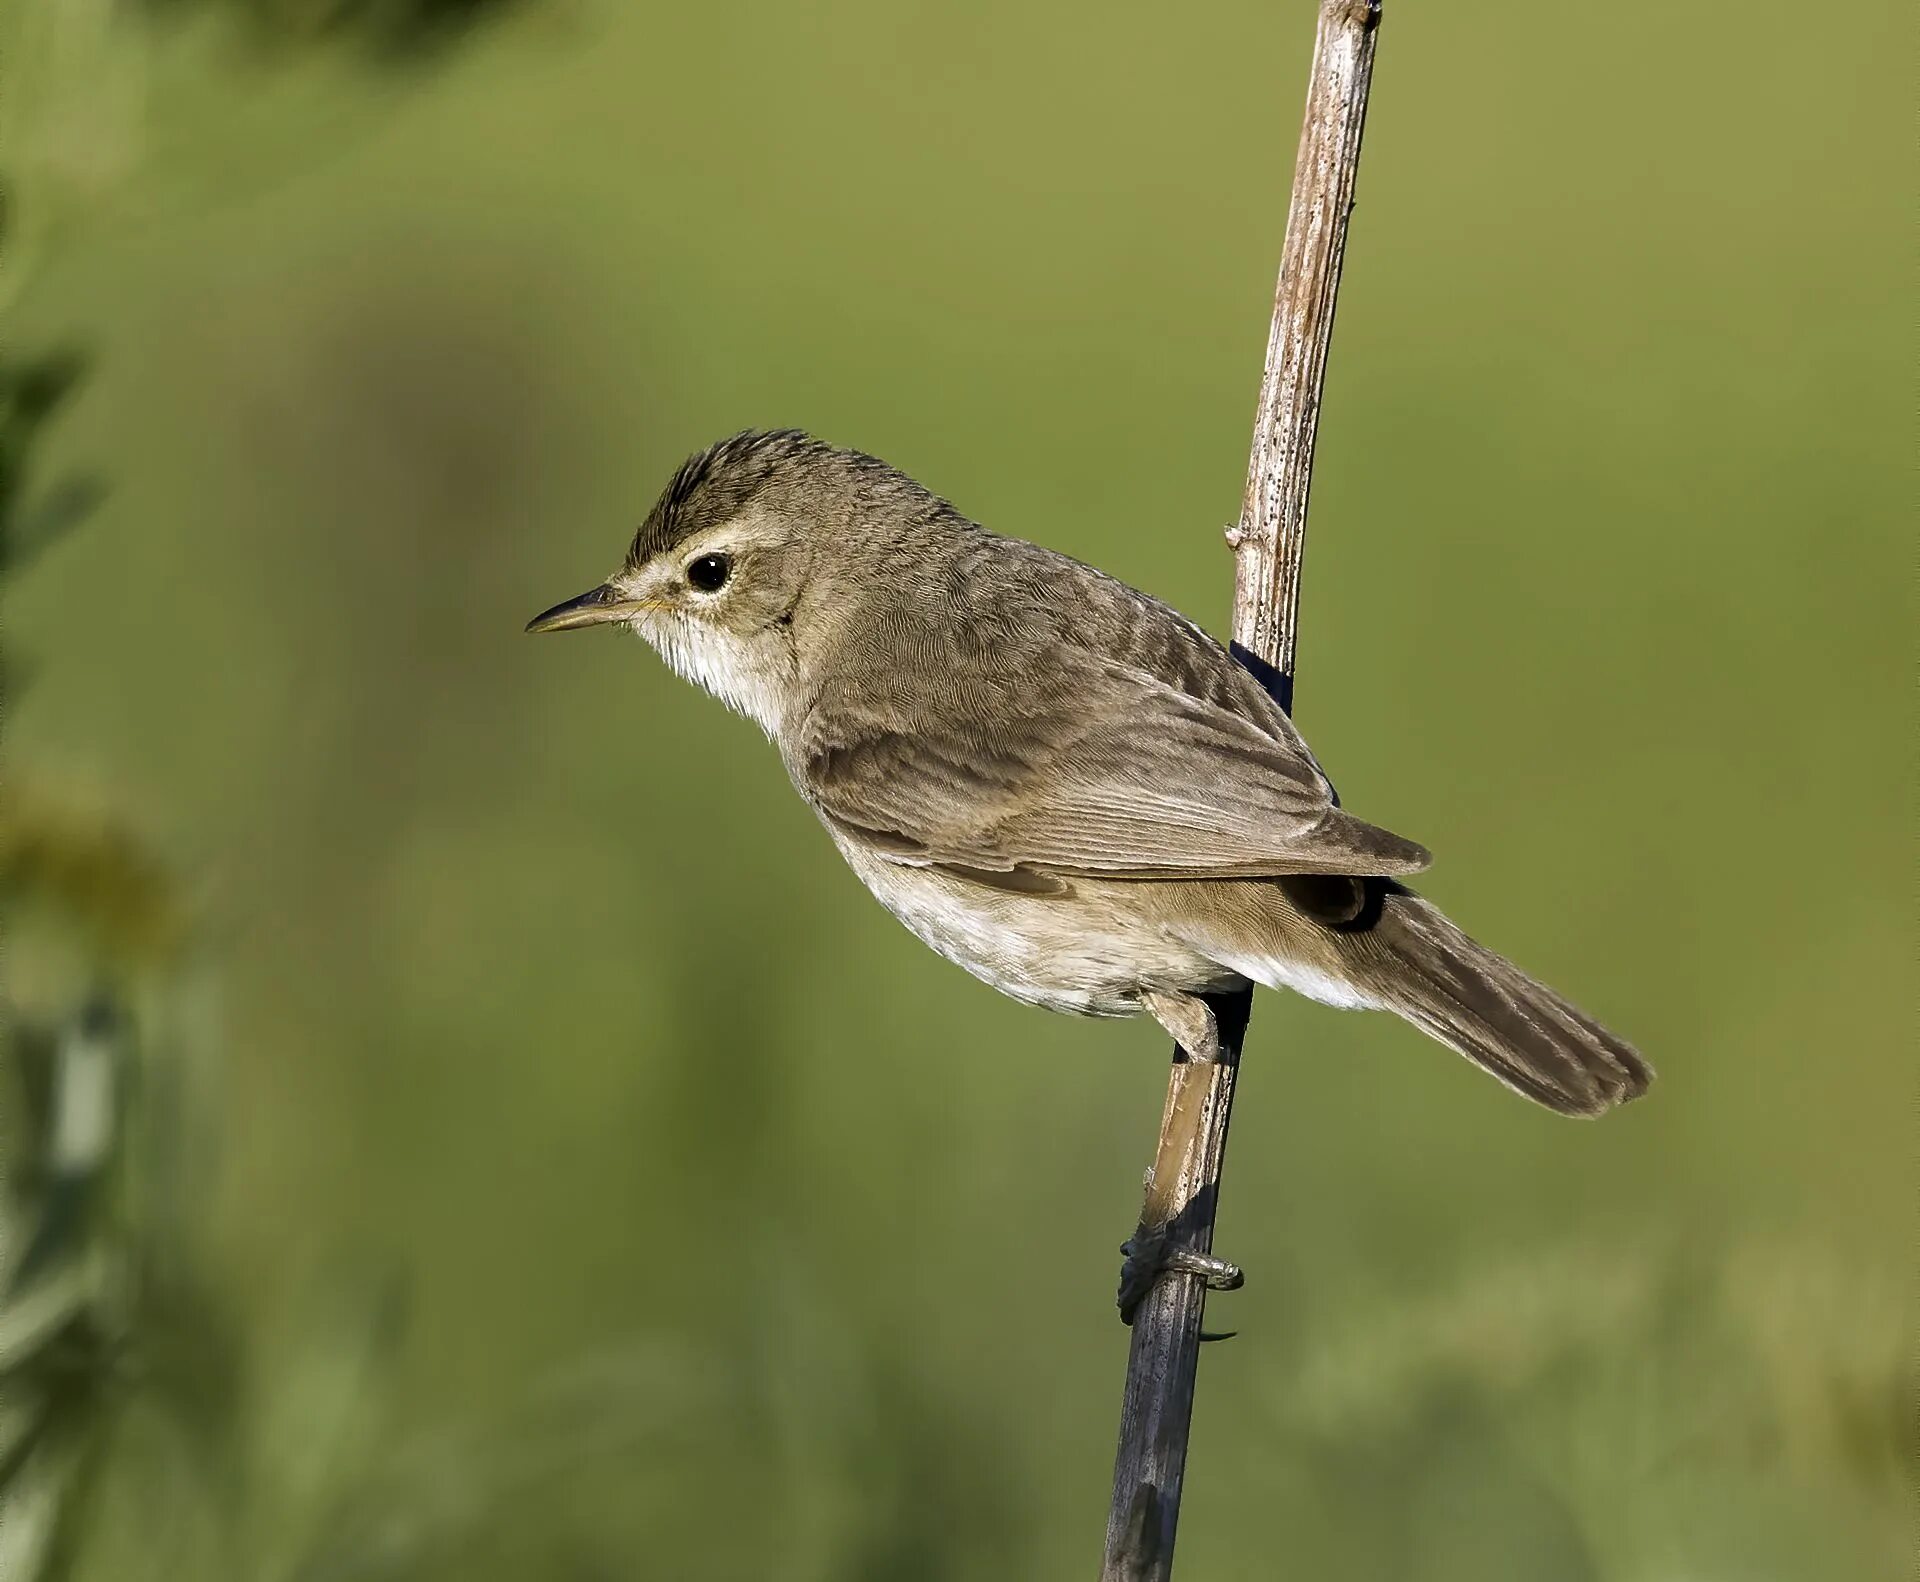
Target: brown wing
{"x": 1076, "y": 729}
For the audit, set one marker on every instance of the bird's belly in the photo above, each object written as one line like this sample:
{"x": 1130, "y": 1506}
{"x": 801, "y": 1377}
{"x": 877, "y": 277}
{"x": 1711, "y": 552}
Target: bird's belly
{"x": 1086, "y": 951}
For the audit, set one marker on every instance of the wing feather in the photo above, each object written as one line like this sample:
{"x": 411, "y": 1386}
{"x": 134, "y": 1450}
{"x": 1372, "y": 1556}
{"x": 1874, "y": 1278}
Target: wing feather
{"x": 1114, "y": 740}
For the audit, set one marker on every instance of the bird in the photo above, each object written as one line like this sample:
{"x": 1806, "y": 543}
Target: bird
{"x": 1058, "y": 782}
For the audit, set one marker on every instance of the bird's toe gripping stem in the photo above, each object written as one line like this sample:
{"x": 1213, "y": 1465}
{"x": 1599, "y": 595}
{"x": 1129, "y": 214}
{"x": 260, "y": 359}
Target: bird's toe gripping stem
{"x": 1148, "y": 1254}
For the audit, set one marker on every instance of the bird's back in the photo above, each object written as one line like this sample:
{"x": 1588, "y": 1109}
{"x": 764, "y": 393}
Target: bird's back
{"x": 981, "y": 624}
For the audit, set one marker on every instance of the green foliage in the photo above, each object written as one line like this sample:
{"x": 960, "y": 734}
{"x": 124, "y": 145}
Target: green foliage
{"x": 396, "y": 30}
{"x": 102, "y": 1316}
{"x": 32, "y": 390}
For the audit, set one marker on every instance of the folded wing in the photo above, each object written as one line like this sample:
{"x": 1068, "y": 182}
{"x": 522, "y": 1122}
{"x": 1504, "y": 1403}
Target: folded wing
{"x": 1094, "y": 768}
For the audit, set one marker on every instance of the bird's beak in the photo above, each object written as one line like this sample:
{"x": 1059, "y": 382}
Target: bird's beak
{"x": 594, "y": 608}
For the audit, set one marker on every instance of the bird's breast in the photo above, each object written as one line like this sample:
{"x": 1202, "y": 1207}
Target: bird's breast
{"x": 1086, "y": 950}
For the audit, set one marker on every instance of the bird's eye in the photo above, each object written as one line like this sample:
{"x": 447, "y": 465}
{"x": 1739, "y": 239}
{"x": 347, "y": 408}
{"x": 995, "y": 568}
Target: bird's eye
{"x": 709, "y": 573}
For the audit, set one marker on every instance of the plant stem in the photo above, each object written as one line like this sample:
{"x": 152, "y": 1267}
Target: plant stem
{"x": 1156, "y": 1415}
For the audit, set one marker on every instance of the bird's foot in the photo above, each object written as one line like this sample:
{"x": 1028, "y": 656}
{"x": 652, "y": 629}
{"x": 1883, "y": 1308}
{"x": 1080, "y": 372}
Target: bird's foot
{"x": 1148, "y": 1255}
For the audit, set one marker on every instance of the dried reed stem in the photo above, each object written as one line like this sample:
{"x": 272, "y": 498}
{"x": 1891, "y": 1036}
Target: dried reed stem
{"x": 1183, "y": 1188}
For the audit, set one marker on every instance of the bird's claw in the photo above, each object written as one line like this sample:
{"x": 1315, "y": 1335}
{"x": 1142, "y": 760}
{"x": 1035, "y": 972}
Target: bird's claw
{"x": 1147, "y": 1256}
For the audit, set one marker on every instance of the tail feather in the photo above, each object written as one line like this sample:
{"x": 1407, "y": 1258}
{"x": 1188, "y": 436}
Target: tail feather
{"x": 1375, "y": 943}
{"x": 1429, "y": 971}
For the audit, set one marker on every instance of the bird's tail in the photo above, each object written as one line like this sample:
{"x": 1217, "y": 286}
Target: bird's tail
{"x": 1374, "y": 942}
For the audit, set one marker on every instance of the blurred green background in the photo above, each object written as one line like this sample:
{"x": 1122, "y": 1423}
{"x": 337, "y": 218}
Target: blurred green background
{"x": 566, "y": 1171}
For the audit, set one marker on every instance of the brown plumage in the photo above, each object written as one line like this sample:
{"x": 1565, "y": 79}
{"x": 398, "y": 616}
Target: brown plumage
{"x": 1053, "y": 779}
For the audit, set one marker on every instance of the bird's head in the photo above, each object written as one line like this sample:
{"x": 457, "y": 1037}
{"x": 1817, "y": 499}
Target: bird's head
{"x": 759, "y": 552}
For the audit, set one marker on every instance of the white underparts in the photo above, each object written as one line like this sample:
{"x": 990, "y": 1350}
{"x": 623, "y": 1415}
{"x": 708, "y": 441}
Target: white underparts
{"x": 717, "y": 662}
{"x": 1274, "y": 973}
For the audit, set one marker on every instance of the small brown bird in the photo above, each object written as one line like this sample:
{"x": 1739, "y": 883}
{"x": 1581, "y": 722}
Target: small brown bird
{"x": 1057, "y": 782}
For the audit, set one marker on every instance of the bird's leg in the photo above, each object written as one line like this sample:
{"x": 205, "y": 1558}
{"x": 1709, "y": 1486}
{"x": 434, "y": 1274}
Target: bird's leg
{"x": 1189, "y": 1018}
{"x": 1149, "y": 1253}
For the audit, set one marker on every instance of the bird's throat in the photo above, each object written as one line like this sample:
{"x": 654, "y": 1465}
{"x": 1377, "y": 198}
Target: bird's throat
{"x": 748, "y": 677}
